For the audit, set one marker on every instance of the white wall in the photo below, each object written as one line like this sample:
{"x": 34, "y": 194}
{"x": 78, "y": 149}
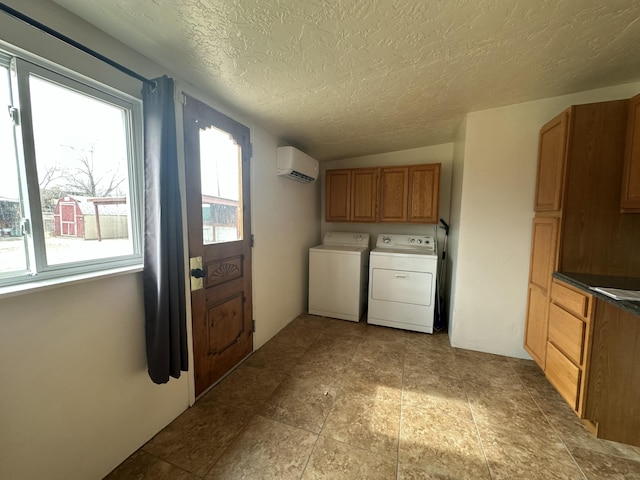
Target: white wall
{"x": 457, "y": 174}
{"x": 494, "y": 237}
{"x": 286, "y": 222}
{"x": 76, "y": 399}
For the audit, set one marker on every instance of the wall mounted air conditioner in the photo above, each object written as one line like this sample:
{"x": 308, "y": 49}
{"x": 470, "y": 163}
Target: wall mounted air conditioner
{"x": 294, "y": 164}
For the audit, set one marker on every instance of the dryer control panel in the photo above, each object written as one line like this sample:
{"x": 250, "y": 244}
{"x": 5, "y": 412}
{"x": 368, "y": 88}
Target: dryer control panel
{"x": 408, "y": 242}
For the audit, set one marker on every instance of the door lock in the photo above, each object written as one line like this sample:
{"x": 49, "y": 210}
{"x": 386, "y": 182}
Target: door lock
{"x": 197, "y": 273}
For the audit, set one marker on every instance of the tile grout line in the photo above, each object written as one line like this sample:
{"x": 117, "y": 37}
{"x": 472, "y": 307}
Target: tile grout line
{"x": 404, "y": 356}
{"x": 253, "y": 415}
{"x": 320, "y": 331}
{"x": 319, "y": 434}
{"x": 165, "y": 461}
{"x": 475, "y": 424}
{"x": 560, "y": 437}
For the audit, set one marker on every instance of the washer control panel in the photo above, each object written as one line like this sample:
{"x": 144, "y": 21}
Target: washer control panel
{"x": 356, "y": 239}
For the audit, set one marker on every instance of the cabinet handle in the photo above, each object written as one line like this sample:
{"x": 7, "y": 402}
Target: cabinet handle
{"x": 398, "y": 275}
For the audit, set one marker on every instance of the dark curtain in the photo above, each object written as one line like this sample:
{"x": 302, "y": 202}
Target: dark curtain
{"x": 164, "y": 282}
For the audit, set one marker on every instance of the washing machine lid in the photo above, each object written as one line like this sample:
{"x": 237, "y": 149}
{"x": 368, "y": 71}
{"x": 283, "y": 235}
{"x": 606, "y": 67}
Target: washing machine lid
{"x": 344, "y": 249}
{"x": 353, "y": 239}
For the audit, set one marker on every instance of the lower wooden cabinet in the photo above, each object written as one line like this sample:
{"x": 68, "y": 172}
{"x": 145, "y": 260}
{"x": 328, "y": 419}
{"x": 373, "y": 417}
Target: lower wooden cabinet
{"x": 563, "y": 375}
{"x": 535, "y": 339}
{"x": 568, "y": 343}
{"x": 567, "y": 332}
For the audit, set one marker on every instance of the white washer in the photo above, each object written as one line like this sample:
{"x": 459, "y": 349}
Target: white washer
{"x": 402, "y": 282}
{"x": 338, "y": 275}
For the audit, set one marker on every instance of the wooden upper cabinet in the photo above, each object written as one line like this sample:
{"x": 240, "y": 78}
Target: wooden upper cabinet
{"x": 364, "y": 188}
{"x": 338, "y": 195}
{"x": 551, "y": 162}
{"x": 386, "y": 194}
{"x": 630, "y": 201}
{"x": 394, "y": 190}
{"x": 424, "y": 193}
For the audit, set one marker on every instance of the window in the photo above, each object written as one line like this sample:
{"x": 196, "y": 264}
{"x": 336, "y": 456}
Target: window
{"x": 69, "y": 187}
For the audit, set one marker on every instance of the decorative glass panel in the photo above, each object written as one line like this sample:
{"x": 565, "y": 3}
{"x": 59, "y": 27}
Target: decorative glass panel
{"x": 221, "y": 183}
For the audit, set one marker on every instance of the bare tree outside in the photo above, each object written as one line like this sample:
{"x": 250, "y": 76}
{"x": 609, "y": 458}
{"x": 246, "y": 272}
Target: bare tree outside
{"x": 82, "y": 179}
{"x": 85, "y": 180}
{"x": 50, "y": 192}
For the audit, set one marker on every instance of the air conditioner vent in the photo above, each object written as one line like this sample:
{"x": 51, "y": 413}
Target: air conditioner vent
{"x": 296, "y": 165}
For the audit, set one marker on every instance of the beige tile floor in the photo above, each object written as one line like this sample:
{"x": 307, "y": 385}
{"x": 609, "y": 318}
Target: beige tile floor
{"x": 337, "y": 400}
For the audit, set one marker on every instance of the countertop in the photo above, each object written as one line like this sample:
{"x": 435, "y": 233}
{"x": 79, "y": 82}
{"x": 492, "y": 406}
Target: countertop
{"x": 585, "y": 281}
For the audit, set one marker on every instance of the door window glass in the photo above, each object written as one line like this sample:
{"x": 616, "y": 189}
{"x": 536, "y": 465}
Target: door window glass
{"x": 221, "y": 183}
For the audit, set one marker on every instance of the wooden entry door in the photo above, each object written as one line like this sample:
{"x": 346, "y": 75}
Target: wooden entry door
{"x": 217, "y": 154}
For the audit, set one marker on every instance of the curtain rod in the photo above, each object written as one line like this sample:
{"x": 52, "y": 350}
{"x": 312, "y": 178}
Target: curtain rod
{"x": 40, "y": 26}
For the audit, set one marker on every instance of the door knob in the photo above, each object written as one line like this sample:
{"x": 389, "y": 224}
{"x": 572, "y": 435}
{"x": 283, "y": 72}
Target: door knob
{"x": 198, "y": 273}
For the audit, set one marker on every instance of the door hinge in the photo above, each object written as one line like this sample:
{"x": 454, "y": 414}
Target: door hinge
{"x": 14, "y": 113}
{"x": 252, "y": 240}
{"x": 253, "y": 325}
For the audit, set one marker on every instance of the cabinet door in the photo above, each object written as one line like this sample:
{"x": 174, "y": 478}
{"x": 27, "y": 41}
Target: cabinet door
{"x": 394, "y": 188}
{"x": 543, "y": 261}
{"x": 364, "y": 189}
{"x": 424, "y": 193}
{"x": 563, "y": 375}
{"x": 544, "y": 246}
{"x": 535, "y": 336}
{"x": 338, "y": 195}
{"x": 631, "y": 176}
{"x": 551, "y": 161}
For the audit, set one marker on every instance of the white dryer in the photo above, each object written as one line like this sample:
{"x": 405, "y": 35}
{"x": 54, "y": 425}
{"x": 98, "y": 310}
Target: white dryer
{"x": 338, "y": 275}
{"x": 402, "y": 282}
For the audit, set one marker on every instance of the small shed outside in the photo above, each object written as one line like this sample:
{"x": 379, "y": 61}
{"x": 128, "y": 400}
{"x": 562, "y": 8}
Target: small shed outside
{"x": 91, "y": 218}
{"x": 69, "y": 217}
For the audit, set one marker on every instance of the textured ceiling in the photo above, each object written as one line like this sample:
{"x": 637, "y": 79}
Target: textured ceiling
{"x": 354, "y": 77}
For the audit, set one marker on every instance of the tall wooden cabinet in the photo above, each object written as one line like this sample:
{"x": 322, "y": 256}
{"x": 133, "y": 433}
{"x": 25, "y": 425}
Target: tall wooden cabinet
{"x": 551, "y": 162}
{"x": 578, "y": 226}
{"x": 630, "y": 201}
{"x": 544, "y": 247}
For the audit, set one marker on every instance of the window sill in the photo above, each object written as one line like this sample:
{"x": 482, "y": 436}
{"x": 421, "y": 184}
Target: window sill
{"x": 32, "y": 287}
